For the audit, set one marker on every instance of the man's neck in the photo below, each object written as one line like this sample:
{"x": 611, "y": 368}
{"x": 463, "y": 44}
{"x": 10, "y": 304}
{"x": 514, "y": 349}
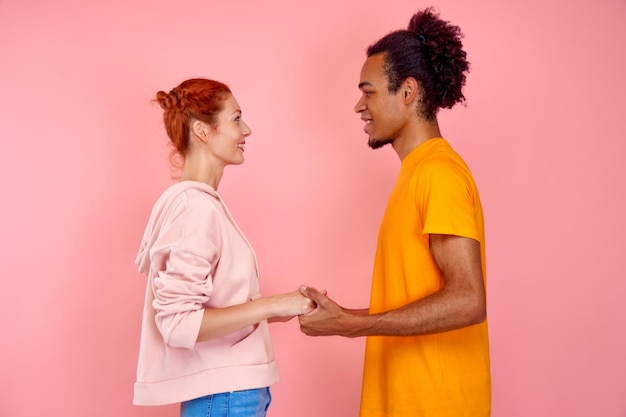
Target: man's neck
{"x": 414, "y": 135}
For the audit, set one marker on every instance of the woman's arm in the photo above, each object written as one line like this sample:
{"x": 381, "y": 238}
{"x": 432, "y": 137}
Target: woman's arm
{"x": 218, "y": 322}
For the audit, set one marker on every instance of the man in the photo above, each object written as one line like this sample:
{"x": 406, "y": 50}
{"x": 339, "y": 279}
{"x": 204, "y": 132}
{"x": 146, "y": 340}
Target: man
{"x": 427, "y": 348}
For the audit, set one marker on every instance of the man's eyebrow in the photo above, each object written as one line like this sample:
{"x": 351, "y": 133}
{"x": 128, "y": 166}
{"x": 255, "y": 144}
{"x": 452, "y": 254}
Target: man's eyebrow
{"x": 364, "y": 84}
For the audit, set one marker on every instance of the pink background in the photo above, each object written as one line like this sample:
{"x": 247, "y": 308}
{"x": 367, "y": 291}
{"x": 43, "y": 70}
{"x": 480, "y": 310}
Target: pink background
{"x": 84, "y": 158}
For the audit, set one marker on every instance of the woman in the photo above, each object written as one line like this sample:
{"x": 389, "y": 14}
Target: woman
{"x": 205, "y": 340}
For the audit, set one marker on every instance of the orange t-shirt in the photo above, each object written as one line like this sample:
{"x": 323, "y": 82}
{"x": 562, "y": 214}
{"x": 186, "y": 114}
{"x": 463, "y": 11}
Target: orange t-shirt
{"x": 445, "y": 374}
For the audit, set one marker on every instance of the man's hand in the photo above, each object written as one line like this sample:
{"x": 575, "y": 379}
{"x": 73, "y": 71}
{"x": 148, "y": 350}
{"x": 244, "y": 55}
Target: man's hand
{"x": 327, "y": 318}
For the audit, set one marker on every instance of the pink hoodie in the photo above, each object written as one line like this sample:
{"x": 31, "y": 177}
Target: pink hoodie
{"x": 196, "y": 257}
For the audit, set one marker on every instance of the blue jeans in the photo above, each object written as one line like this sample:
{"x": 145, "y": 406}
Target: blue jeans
{"x": 247, "y": 403}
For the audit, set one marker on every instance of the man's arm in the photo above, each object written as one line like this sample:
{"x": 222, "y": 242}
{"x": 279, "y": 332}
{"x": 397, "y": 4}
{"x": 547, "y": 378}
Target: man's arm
{"x": 459, "y": 303}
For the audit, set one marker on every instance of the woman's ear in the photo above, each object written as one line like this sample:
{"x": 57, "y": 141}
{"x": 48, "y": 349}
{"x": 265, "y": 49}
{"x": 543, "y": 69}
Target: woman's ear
{"x": 200, "y": 130}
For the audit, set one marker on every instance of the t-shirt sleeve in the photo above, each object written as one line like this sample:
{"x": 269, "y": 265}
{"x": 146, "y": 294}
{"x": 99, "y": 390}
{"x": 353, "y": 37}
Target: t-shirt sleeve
{"x": 188, "y": 250}
{"x": 446, "y": 200}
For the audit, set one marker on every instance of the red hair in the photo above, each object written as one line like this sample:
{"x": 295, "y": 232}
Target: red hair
{"x": 194, "y": 99}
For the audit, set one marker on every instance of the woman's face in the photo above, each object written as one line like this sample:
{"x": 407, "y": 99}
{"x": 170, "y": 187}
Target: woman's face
{"x": 228, "y": 139}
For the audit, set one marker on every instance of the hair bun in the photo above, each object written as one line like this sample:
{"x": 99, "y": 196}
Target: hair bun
{"x": 170, "y": 101}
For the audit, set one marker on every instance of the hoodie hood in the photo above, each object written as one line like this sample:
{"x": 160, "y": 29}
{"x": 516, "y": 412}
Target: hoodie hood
{"x": 159, "y": 214}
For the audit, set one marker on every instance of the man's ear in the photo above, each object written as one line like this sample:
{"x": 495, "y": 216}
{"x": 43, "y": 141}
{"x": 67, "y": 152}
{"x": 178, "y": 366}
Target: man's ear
{"x": 409, "y": 90}
{"x": 201, "y": 130}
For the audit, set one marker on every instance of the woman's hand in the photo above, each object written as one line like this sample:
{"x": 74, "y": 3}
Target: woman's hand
{"x": 288, "y": 305}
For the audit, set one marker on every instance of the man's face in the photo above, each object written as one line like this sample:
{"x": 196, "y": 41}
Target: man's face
{"x": 380, "y": 110}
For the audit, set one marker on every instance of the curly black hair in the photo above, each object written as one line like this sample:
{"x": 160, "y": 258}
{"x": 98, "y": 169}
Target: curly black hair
{"x": 429, "y": 50}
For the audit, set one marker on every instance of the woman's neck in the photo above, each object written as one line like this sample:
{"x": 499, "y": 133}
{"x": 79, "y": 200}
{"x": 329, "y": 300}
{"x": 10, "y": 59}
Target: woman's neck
{"x": 198, "y": 169}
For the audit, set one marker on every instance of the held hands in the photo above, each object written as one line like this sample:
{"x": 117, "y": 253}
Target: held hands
{"x": 327, "y": 319}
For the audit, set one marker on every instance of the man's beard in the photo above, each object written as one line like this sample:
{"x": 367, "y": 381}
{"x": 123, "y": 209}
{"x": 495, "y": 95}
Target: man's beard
{"x": 378, "y": 143}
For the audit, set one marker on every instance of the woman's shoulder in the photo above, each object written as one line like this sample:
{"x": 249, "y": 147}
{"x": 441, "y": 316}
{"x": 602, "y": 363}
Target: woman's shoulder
{"x": 186, "y": 199}
{"x": 188, "y": 192}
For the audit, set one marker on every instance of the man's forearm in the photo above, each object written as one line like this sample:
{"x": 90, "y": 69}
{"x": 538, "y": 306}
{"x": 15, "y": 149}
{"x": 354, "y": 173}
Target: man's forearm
{"x": 436, "y": 313}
